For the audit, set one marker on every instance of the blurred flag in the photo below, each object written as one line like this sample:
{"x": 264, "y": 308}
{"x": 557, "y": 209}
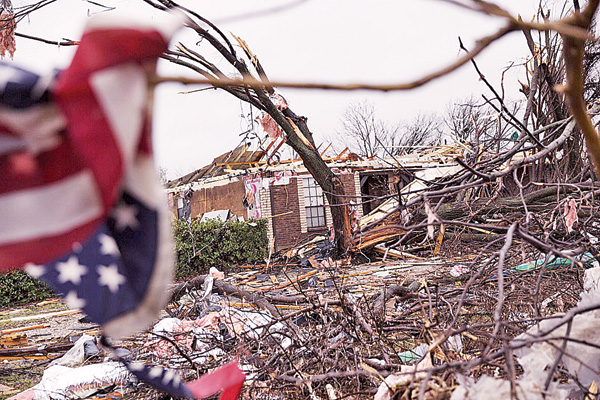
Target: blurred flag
{"x": 80, "y": 201}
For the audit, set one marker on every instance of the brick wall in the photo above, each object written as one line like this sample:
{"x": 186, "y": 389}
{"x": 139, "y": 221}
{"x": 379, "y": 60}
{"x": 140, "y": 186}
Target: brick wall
{"x": 290, "y": 229}
{"x": 286, "y": 230}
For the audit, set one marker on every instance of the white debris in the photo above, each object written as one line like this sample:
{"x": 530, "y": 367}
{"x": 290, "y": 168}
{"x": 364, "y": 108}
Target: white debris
{"x": 60, "y": 383}
{"x": 407, "y": 373}
{"x": 76, "y": 355}
{"x": 494, "y": 388}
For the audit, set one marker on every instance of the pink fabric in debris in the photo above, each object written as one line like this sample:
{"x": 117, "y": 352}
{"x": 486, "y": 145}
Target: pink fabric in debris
{"x": 26, "y": 395}
{"x": 182, "y": 335}
{"x": 268, "y": 123}
{"x": 570, "y": 214}
{"x": 270, "y": 126}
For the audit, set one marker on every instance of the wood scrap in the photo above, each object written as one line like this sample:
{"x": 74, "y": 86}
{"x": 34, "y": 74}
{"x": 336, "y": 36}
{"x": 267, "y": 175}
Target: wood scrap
{"x": 297, "y": 280}
{"x": 395, "y": 253}
{"x": 46, "y": 302}
{"x": 36, "y": 350}
{"x": 22, "y": 329}
{"x": 13, "y": 340}
{"x": 41, "y": 316}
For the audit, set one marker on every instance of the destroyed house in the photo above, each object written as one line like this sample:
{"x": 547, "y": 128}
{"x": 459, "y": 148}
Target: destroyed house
{"x": 241, "y": 184}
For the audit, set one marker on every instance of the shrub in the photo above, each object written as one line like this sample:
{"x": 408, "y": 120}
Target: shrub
{"x": 19, "y": 288}
{"x": 218, "y": 244}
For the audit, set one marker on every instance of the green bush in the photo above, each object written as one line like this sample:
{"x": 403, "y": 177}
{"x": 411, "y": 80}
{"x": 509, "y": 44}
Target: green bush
{"x": 218, "y": 244}
{"x": 19, "y": 288}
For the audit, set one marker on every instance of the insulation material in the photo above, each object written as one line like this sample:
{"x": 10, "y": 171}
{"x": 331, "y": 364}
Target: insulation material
{"x": 7, "y": 33}
{"x": 252, "y": 198}
{"x": 270, "y": 126}
{"x": 570, "y": 214}
{"x": 182, "y": 332}
{"x": 59, "y": 382}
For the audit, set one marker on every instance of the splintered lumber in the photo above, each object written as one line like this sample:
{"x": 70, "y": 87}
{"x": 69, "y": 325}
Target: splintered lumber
{"x": 16, "y": 339}
{"x": 46, "y": 302}
{"x": 41, "y": 316}
{"x": 21, "y": 358}
{"x": 297, "y": 280}
{"x": 22, "y": 329}
{"x": 374, "y": 237}
{"x": 395, "y": 253}
{"x": 409, "y": 191}
{"x": 36, "y": 350}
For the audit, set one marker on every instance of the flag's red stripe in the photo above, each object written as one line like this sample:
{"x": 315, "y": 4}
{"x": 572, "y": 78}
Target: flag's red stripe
{"x": 41, "y": 251}
{"x": 89, "y": 134}
{"x": 105, "y": 48}
{"x": 48, "y": 167}
{"x": 228, "y": 380}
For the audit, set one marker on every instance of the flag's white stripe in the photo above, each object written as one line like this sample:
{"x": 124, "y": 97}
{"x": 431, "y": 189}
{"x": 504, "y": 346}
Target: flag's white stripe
{"x": 125, "y": 113}
{"x": 38, "y": 126}
{"x": 50, "y": 210}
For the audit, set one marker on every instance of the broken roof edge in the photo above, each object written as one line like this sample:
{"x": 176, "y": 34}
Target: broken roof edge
{"x": 382, "y": 165}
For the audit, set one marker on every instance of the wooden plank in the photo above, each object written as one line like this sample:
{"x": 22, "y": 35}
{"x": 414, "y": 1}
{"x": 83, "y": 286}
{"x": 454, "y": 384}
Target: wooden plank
{"x": 16, "y": 339}
{"x": 16, "y": 358}
{"x": 41, "y": 316}
{"x": 36, "y": 350}
{"x": 22, "y": 329}
{"x": 298, "y": 279}
{"x": 43, "y": 303}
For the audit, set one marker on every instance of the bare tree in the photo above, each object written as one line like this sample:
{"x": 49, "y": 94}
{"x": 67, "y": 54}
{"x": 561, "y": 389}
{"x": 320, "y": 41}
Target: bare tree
{"x": 422, "y": 130}
{"x": 162, "y": 175}
{"x": 468, "y": 121}
{"x": 364, "y": 133}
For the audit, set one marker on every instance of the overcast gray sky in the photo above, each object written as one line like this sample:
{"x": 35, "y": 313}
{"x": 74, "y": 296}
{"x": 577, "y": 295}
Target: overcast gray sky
{"x": 334, "y": 41}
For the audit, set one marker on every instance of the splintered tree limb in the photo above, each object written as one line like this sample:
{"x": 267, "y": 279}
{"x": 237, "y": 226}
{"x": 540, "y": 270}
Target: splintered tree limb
{"x": 388, "y": 293}
{"x": 249, "y": 81}
{"x": 358, "y": 314}
{"x": 226, "y": 288}
{"x": 65, "y": 42}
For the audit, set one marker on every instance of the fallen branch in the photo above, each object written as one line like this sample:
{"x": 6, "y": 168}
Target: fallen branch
{"x": 226, "y": 288}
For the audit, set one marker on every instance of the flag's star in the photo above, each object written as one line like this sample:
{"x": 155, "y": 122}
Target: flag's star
{"x": 71, "y": 270}
{"x": 9, "y": 75}
{"x": 34, "y": 270}
{"x": 155, "y": 372}
{"x": 168, "y": 376}
{"x": 73, "y": 301}
{"x": 125, "y": 216}
{"x": 136, "y": 366}
{"x": 108, "y": 245}
{"x": 109, "y": 276}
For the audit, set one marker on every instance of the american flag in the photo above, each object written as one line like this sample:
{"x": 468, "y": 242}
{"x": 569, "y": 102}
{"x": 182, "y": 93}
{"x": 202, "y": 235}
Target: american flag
{"x": 80, "y": 201}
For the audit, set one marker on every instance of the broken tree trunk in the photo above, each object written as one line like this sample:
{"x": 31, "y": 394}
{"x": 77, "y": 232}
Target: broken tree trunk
{"x": 459, "y": 209}
{"x": 299, "y": 138}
